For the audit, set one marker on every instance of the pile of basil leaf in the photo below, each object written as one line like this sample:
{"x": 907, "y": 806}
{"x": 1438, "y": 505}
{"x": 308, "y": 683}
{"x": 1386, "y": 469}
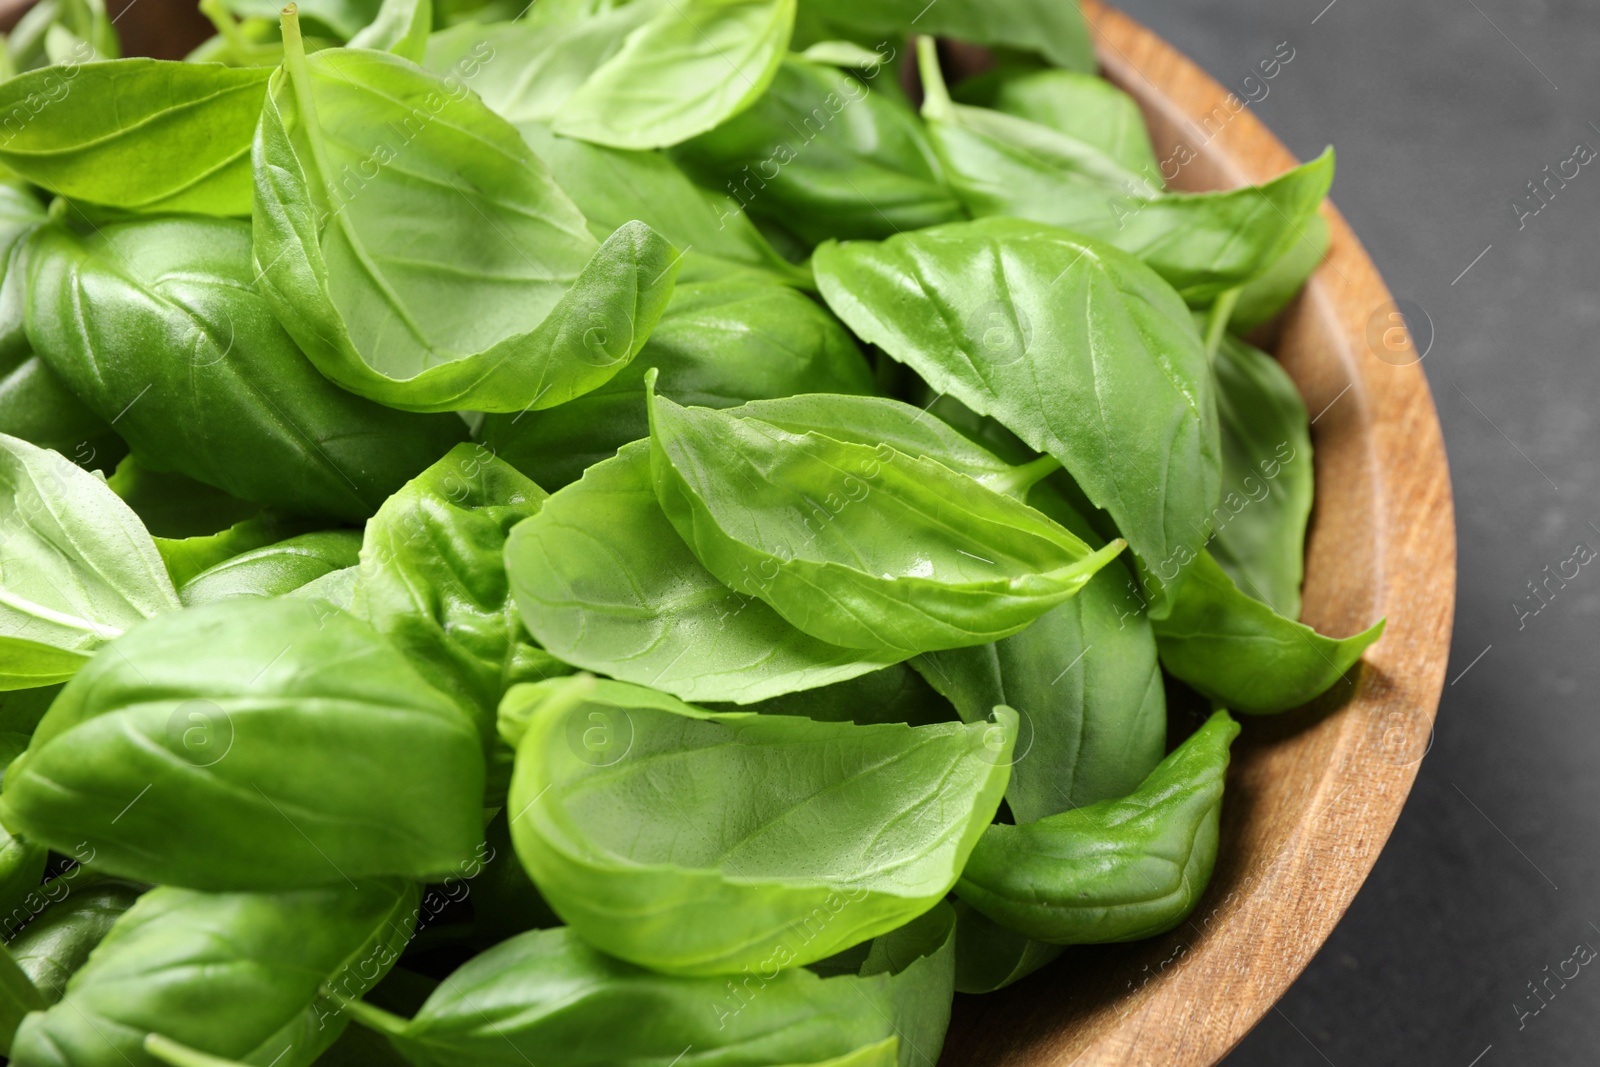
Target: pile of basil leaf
{"x": 610, "y": 533}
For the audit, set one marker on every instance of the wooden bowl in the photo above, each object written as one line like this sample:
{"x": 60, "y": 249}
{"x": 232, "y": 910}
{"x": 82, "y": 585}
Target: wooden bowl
{"x": 1311, "y": 795}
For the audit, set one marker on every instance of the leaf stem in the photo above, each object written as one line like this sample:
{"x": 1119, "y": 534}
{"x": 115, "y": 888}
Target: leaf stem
{"x": 299, "y": 71}
{"x": 936, "y": 102}
{"x": 169, "y": 1051}
{"x": 386, "y": 1023}
{"x": 1020, "y": 479}
{"x": 1217, "y": 320}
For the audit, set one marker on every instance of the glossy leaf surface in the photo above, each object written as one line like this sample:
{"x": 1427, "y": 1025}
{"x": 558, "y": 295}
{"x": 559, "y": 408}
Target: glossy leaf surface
{"x": 604, "y": 582}
{"x": 253, "y": 744}
{"x": 989, "y": 311}
{"x": 235, "y": 975}
{"x": 1118, "y": 870}
{"x": 142, "y": 134}
{"x": 426, "y": 317}
{"x": 864, "y": 547}
{"x": 79, "y": 567}
{"x": 547, "y": 994}
{"x": 1231, "y": 647}
{"x": 690, "y": 68}
{"x": 276, "y": 569}
{"x": 807, "y": 837}
{"x": 719, "y": 344}
{"x": 156, "y": 326}
{"x": 1259, "y": 527}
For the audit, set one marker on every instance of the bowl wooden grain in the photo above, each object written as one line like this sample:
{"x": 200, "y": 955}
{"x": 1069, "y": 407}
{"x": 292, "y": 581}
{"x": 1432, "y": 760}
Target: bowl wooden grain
{"x": 1312, "y": 795}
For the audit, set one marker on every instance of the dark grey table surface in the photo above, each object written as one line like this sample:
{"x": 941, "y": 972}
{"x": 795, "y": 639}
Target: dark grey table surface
{"x": 1470, "y": 943}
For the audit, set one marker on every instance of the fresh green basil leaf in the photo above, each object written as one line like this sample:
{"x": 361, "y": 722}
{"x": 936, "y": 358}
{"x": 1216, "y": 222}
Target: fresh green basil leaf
{"x": 990, "y": 311}
{"x": 79, "y": 567}
{"x": 253, "y": 744}
{"x": 433, "y": 579}
{"x": 693, "y": 66}
{"x": 1239, "y": 652}
{"x": 847, "y": 54}
{"x": 719, "y": 344}
{"x": 342, "y": 18}
{"x": 21, "y": 214}
{"x": 54, "y": 946}
{"x": 827, "y": 154}
{"x": 1054, "y": 29}
{"x": 801, "y": 842}
{"x": 894, "y": 694}
{"x": 22, "y": 866}
{"x": 21, "y": 709}
{"x": 173, "y": 506}
{"x": 432, "y": 316}
{"x": 18, "y": 999}
{"x": 234, "y": 975}
{"x": 1271, "y": 291}
{"x": 1259, "y": 526}
{"x": 1083, "y": 106}
{"x": 401, "y": 27}
{"x": 336, "y": 587}
{"x": 990, "y": 957}
{"x": 604, "y": 582}
{"x": 275, "y": 569}
{"x": 549, "y": 996}
{"x": 141, "y": 134}
{"x": 231, "y": 402}
{"x": 36, "y": 407}
{"x": 187, "y": 557}
{"x": 1084, "y": 680}
{"x": 1118, "y": 870}
{"x": 862, "y": 547}
{"x": 525, "y": 70}
{"x": 612, "y": 186}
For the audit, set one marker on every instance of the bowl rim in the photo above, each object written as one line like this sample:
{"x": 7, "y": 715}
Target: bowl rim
{"x": 1382, "y": 543}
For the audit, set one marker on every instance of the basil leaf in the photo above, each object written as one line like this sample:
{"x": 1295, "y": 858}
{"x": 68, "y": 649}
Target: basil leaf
{"x": 187, "y": 557}
{"x": 1259, "y": 526}
{"x": 1118, "y": 870}
{"x": 1085, "y": 107}
{"x": 719, "y": 343}
{"x": 548, "y": 996}
{"x": 22, "y": 866}
{"x": 433, "y": 579}
{"x": 1085, "y": 681}
{"x": 342, "y": 18}
{"x": 1202, "y": 243}
{"x": 140, "y": 134}
{"x": 862, "y": 547}
{"x": 894, "y": 694}
{"x": 1271, "y": 291}
{"x": 429, "y": 317}
{"x": 54, "y": 946}
{"x": 988, "y": 311}
{"x": 401, "y": 27}
{"x": 233, "y": 403}
{"x": 1239, "y": 652}
{"x": 526, "y": 70}
{"x": 694, "y": 65}
{"x": 236, "y": 975}
{"x": 173, "y": 506}
{"x": 612, "y": 187}
{"x": 604, "y": 582}
{"x": 1054, "y": 29}
{"x": 990, "y": 957}
{"x": 256, "y": 744}
{"x": 826, "y": 154}
{"x": 275, "y": 569}
{"x": 789, "y": 820}
{"x": 38, "y": 408}
{"x": 21, "y": 214}
{"x": 79, "y": 567}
